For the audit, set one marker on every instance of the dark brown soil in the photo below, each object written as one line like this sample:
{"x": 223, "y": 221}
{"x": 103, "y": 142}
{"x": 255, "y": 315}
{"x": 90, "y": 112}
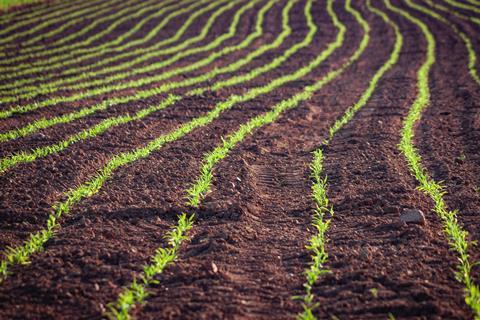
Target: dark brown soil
{"x": 246, "y": 256}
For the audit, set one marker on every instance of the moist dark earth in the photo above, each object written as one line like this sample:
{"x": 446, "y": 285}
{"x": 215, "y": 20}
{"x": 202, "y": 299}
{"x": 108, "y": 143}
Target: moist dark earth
{"x": 246, "y": 256}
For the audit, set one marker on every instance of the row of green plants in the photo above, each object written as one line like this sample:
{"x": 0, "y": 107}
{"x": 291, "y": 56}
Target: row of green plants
{"x": 118, "y": 48}
{"x": 7, "y": 4}
{"x": 129, "y": 10}
{"x": 455, "y": 234}
{"x": 71, "y": 72}
{"x": 137, "y": 292}
{"x": 472, "y": 56}
{"x": 471, "y": 18}
{"x": 107, "y": 83}
{"x": 86, "y": 15}
{"x": 24, "y": 156}
{"x": 44, "y": 11}
{"x": 73, "y": 15}
{"x": 202, "y": 184}
{"x": 474, "y": 2}
{"x": 46, "y": 55}
{"x": 450, "y": 11}
{"x": 142, "y": 94}
{"x": 22, "y": 108}
{"x": 40, "y": 10}
{"x": 324, "y": 211}
{"x": 37, "y": 240}
{"x": 463, "y": 6}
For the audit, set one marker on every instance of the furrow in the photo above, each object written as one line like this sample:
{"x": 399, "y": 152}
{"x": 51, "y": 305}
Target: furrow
{"x": 63, "y": 17}
{"x": 463, "y": 6}
{"x": 202, "y": 185}
{"x": 324, "y": 211}
{"x": 23, "y": 157}
{"x": 129, "y": 10}
{"x": 45, "y": 123}
{"x": 456, "y": 235}
{"x": 121, "y": 52}
{"x": 472, "y": 57}
{"x": 70, "y": 50}
{"x": 37, "y": 240}
{"x": 103, "y": 10}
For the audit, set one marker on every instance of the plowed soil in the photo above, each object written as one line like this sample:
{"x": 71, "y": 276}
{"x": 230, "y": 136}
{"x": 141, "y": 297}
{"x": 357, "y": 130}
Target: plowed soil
{"x": 246, "y": 255}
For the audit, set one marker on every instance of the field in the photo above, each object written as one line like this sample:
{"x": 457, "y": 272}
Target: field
{"x": 240, "y": 159}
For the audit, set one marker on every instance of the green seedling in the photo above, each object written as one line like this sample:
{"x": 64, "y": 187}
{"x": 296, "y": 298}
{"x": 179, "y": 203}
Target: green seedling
{"x": 472, "y": 57}
{"x": 64, "y": 48}
{"x": 136, "y": 292}
{"x": 456, "y": 235}
{"x": 324, "y": 211}
{"x": 85, "y": 73}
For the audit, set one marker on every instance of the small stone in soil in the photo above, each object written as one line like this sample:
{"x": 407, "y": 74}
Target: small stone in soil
{"x": 412, "y": 216}
{"x": 214, "y": 267}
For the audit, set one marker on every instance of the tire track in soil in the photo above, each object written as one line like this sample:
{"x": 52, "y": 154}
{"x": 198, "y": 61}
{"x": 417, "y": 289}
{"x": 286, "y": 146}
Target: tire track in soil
{"x": 369, "y": 184}
{"x": 184, "y": 147}
{"x": 59, "y": 172}
{"x": 232, "y": 233}
{"x": 449, "y": 130}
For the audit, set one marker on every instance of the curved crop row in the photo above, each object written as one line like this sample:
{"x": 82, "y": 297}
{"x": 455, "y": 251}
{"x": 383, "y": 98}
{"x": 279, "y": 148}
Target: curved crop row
{"x": 44, "y": 123}
{"x": 36, "y": 241}
{"x": 32, "y": 17}
{"x": 123, "y": 52}
{"x": 77, "y": 11}
{"x": 129, "y": 69}
{"x": 96, "y": 14}
{"x": 451, "y": 11}
{"x": 24, "y": 156}
{"x": 6, "y": 4}
{"x": 463, "y": 6}
{"x": 142, "y": 81}
{"x": 324, "y": 212}
{"x": 472, "y": 57}
{"x": 40, "y": 10}
{"x": 456, "y": 235}
{"x": 53, "y": 55}
{"x": 135, "y": 293}
{"x": 474, "y": 2}
{"x": 61, "y": 45}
